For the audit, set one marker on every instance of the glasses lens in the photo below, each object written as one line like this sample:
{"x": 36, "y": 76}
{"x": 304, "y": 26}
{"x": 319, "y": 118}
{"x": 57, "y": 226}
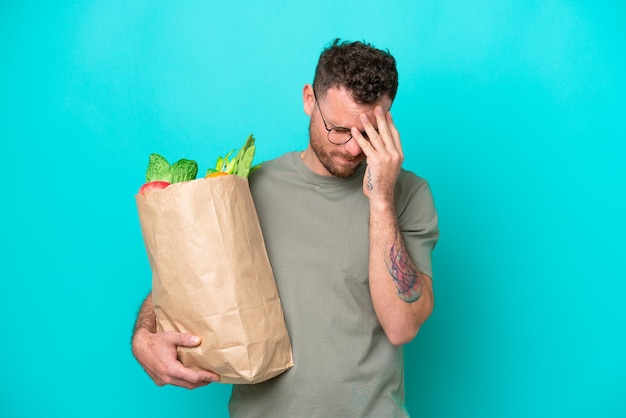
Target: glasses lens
{"x": 339, "y": 137}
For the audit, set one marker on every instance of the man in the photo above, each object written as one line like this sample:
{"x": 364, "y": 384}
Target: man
{"x": 349, "y": 234}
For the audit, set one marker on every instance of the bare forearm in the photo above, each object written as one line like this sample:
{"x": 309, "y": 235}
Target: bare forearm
{"x": 157, "y": 353}
{"x": 405, "y": 275}
{"x": 401, "y": 294}
{"x": 146, "y": 318}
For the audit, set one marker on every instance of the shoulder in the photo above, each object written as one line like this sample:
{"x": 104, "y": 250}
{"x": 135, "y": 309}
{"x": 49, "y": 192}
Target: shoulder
{"x": 267, "y": 169}
{"x": 270, "y": 173}
{"x": 409, "y": 183}
{"x": 273, "y": 165}
{"x": 414, "y": 196}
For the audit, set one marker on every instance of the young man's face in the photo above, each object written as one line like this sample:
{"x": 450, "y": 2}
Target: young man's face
{"x": 338, "y": 112}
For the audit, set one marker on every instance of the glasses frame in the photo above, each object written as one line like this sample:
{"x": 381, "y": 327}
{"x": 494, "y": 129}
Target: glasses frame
{"x": 339, "y": 129}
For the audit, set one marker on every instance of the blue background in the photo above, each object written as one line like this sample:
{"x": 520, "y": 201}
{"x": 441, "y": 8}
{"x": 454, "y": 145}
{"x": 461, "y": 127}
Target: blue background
{"x": 513, "y": 110}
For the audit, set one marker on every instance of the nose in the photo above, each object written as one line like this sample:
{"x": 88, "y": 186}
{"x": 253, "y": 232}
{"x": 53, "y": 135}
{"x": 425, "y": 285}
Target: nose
{"x": 353, "y": 148}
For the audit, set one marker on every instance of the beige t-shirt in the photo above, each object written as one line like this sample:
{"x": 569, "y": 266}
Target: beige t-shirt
{"x": 316, "y": 232}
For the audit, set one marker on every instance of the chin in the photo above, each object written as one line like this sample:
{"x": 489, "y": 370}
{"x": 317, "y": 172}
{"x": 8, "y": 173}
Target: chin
{"x": 344, "y": 171}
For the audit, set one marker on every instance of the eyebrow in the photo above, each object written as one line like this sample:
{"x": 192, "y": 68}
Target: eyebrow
{"x": 339, "y": 128}
{"x": 333, "y": 125}
{"x": 343, "y": 128}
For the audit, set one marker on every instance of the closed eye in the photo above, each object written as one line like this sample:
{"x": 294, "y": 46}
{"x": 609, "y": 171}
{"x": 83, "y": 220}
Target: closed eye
{"x": 365, "y": 134}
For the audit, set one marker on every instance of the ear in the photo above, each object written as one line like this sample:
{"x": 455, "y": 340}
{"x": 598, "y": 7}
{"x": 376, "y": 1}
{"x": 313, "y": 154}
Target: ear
{"x": 308, "y": 99}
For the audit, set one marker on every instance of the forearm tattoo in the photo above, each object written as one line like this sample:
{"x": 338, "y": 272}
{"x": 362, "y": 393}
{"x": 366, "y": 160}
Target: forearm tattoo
{"x": 404, "y": 273}
{"x": 369, "y": 184}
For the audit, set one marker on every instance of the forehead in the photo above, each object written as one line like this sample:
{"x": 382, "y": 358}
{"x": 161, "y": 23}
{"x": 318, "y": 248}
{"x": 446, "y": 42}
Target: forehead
{"x": 341, "y": 109}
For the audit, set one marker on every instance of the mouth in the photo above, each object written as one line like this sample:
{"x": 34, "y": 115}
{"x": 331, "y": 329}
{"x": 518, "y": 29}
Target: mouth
{"x": 349, "y": 160}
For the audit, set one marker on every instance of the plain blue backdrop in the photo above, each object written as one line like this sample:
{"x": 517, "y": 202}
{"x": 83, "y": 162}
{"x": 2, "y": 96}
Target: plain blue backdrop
{"x": 513, "y": 110}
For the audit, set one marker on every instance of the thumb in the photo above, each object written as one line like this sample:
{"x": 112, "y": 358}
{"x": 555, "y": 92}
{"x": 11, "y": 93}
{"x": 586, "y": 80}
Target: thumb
{"x": 183, "y": 339}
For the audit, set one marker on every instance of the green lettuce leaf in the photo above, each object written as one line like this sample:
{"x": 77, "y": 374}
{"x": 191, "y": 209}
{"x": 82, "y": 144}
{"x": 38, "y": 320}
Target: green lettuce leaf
{"x": 184, "y": 170}
{"x": 158, "y": 169}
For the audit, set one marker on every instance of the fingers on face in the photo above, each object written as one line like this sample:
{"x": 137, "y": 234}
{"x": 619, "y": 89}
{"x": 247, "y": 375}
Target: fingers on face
{"x": 382, "y": 121}
{"x": 386, "y": 136}
{"x": 377, "y": 137}
{"x": 363, "y": 143}
{"x": 369, "y": 140}
{"x": 393, "y": 130}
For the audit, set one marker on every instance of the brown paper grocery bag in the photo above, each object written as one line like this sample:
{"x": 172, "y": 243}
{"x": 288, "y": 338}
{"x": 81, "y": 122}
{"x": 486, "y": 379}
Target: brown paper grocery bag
{"x": 211, "y": 277}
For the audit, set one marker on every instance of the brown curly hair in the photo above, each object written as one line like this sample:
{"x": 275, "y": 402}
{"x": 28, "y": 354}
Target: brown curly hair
{"x": 367, "y": 72}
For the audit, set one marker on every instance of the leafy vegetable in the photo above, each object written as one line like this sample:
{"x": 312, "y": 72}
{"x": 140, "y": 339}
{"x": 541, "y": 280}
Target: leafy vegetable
{"x": 160, "y": 173}
{"x": 184, "y": 170}
{"x": 160, "y": 170}
{"x": 240, "y": 165}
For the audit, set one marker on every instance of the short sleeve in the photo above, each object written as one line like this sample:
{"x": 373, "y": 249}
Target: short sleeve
{"x": 417, "y": 219}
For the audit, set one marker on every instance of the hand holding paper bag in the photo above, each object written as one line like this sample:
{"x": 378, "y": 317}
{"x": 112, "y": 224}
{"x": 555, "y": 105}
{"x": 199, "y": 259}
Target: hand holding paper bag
{"x": 157, "y": 353}
{"x": 211, "y": 277}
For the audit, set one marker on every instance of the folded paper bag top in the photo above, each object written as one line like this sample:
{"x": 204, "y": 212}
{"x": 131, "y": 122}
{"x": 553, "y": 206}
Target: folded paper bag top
{"x": 211, "y": 277}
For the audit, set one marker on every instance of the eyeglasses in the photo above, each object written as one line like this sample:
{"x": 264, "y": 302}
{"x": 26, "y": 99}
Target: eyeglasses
{"x": 337, "y": 135}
